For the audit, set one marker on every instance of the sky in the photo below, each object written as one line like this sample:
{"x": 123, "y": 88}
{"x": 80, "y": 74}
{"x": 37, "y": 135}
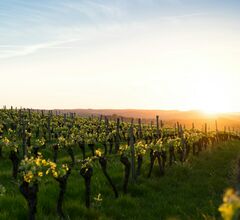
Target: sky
{"x": 147, "y": 54}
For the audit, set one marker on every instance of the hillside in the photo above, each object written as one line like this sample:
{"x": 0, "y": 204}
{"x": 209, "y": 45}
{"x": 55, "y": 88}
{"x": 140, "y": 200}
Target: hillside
{"x": 169, "y": 116}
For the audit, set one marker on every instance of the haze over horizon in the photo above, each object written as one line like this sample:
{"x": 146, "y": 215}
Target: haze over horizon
{"x": 166, "y": 54}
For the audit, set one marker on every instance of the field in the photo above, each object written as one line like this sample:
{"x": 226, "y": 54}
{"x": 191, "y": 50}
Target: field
{"x": 189, "y": 191}
{"x": 190, "y": 188}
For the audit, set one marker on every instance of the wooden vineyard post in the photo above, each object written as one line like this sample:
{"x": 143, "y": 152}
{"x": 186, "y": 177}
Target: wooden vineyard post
{"x": 158, "y": 131}
{"x": 65, "y": 118}
{"x": 205, "y": 139}
{"x": 132, "y": 152}
{"x": 193, "y": 126}
{"x": 73, "y": 119}
{"x": 178, "y": 128}
{"x": 30, "y": 115}
{"x": 216, "y": 125}
{"x": 107, "y": 134}
{"x": 49, "y": 127}
{"x": 106, "y": 125}
{"x": 139, "y": 128}
{"x": 183, "y": 151}
{"x": 117, "y": 140}
{"x": 22, "y": 132}
{"x": 24, "y": 138}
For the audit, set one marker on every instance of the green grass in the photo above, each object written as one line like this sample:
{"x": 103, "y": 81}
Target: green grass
{"x": 187, "y": 191}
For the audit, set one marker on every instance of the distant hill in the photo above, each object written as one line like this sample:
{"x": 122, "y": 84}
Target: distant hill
{"x": 150, "y": 114}
{"x": 137, "y": 113}
{"x": 169, "y": 116}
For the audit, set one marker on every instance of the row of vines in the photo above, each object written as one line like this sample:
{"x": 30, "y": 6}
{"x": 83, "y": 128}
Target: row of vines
{"x": 26, "y": 135}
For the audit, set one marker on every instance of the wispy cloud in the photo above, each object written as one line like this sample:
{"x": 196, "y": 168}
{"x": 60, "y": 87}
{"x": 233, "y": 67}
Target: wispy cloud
{"x": 70, "y": 36}
{"x": 185, "y": 15}
{"x": 94, "y": 10}
{"x": 177, "y": 18}
{"x": 30, "y": 26}
{"x": 10, "y": 51}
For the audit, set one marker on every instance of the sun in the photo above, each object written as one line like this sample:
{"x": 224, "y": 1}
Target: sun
{"x": 213, "y": 103}
{"x": 211, "y": 96}
{"x": 212, "y": 110}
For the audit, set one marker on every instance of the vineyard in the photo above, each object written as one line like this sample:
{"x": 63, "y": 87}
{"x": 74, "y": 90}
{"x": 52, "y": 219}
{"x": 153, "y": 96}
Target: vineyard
{"x": 69, "y": 167}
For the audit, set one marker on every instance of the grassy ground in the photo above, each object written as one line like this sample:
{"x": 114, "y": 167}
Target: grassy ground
{"x": 188, "y": 191}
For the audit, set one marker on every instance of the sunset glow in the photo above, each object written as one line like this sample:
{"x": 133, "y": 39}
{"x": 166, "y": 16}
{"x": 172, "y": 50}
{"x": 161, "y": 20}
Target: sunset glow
{"x": 104, "y": 54}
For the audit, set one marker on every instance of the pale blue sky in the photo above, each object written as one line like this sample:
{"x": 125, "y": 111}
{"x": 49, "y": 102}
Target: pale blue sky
{"x": 120, "y": 54}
